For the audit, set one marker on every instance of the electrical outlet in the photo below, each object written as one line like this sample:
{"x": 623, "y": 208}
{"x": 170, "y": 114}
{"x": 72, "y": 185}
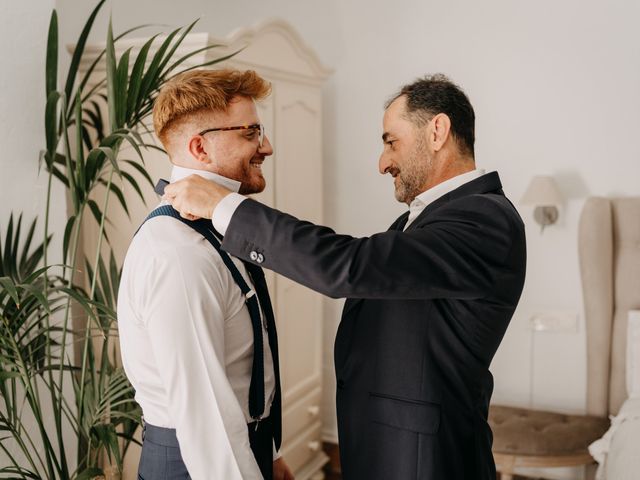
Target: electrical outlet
{"x": 555, "y": 321}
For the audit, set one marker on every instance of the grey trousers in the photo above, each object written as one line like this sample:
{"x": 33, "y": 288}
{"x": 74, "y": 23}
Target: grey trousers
{"x": 161, "y": 459}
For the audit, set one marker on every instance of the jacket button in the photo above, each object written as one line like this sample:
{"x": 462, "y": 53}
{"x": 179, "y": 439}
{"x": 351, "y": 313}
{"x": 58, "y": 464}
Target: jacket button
{"x": 340, "y": 383}
{"x": 253, "y": 255}
{"x": 260, "y": 258}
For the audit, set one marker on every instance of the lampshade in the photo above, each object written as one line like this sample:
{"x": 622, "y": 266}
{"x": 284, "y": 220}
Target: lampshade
{"x": 542, "y": 191}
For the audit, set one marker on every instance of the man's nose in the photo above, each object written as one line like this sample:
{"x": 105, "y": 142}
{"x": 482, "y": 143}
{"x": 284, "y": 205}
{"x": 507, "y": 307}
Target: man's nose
{"x": 383, "y": 163}
{"x": 266, "y": 148}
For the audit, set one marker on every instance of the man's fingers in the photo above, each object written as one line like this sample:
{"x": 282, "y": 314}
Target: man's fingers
{"x": 171, "y": 189}
{"x": 194, "y": 197}
{"x": 184, "y": 213}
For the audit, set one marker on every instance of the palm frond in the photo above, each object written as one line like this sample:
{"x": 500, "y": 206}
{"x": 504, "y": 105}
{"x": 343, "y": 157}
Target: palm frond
{"x": 18, "y": 258}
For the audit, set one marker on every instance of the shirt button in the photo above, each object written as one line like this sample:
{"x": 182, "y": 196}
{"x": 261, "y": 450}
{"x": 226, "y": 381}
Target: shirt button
{"x": 260, "y": 258}
{"x": 253, "y": 255}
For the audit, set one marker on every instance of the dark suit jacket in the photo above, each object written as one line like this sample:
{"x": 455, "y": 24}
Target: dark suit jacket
{"x": 426, "y": 311}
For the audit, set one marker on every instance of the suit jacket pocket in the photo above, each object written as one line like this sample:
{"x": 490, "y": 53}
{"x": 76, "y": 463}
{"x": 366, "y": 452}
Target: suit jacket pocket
{"x": 406, "y": 414}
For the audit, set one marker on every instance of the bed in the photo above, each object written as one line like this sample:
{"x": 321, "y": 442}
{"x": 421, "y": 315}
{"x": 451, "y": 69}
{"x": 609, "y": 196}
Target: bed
{"x": 609, "y": 248}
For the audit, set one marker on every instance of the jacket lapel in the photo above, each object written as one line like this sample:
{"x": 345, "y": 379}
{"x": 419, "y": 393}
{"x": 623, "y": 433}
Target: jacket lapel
{"x": 487, "y": 183}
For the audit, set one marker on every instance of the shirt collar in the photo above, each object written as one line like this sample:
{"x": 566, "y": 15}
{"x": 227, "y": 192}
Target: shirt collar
{"x": 429, "y": 196}
{"x": 178, "y": 173}
{"x": 434, "y": 193}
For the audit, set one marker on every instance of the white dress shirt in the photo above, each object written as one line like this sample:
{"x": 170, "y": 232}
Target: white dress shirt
{"x": 226, "y": 208}
{"x": 187, "y": 344}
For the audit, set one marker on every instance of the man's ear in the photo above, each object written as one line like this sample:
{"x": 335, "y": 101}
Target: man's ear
{"x": 197, "y": 149}
{"x": 440, "y": 131}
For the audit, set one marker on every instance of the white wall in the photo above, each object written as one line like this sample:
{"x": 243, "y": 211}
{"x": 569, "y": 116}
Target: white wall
{"x": 23, "y": 37}
{"x": 556, "y": 90}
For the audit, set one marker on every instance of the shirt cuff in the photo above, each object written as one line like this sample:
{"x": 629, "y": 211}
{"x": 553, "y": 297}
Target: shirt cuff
{"x": 276, "y": 453}
{"x": 221, "y": 217}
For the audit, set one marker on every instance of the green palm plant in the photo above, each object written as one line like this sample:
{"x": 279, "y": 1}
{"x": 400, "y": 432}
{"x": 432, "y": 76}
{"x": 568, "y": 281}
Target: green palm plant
{"x": 88, "y": 123}
{"x": 17, "y": 259}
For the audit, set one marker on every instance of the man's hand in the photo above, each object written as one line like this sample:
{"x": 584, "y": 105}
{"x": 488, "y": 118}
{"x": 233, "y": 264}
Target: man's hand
{"x": 281, "y": 470}
{"x": 194, "y": 197}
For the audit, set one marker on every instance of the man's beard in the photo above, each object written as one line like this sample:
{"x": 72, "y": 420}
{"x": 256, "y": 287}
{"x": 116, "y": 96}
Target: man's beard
{"x": 414, "y": 173}
{"x": 252, "y": 182}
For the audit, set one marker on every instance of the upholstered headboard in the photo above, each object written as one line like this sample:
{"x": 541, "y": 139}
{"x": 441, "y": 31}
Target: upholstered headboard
{"x": 609, "y": 249}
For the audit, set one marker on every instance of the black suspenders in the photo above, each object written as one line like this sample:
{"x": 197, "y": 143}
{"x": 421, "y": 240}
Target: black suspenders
{"x": 205, "y": 228}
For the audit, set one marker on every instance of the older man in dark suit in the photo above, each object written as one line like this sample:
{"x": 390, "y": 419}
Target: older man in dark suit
{"x": 428, "y": 301}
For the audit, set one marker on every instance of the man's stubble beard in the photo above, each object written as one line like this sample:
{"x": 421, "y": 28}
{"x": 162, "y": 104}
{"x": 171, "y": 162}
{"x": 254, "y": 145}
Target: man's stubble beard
{"x": 414, "y": 173}
{"x": 257, "y": 185}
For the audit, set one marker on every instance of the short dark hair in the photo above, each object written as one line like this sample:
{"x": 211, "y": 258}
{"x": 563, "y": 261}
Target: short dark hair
{"x": 434, "y": 94}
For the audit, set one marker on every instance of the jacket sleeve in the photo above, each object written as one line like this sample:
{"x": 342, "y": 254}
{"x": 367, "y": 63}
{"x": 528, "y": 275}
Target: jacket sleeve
{"x": 457, "y": 253}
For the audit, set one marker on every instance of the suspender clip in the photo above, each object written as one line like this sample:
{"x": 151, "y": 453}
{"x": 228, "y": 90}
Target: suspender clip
{"x": 249, "y": 294}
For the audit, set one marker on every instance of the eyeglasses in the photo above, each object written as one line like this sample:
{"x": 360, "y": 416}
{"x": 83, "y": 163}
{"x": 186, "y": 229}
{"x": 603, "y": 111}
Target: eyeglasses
{"x": 255, "y": 126}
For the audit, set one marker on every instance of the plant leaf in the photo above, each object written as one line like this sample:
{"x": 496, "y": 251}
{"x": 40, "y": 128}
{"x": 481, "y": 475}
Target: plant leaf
{"x": 79, "y": 50}
{"x": 51, "y": 126}
{"x": 51, "y": 68}
{"x": 116, "y": 190}
{"x": 90, "y": 70}
{"x": 206, "y": 64}
{"x": 67, "y": 236}
{"x": 114, "y": 274}
{"x": 120, "y": 135}
{"x": 111, "y": 78}
{"x": 141, "y": 170}
{"x": 11, "y": 289}
{"x": 105, "y": 284}
{"x": 150, "y": 78}
{"x": 134, "y": 184}
{"x": 175, "y": 46}
{"x": 121, "y": 87}
{"x": 80, "y": 170}
{"x": 135, "y": 81}
{"x": 186, "y": 57}
{"x": 8, "y": 253}
{"x": 97, "y": 214}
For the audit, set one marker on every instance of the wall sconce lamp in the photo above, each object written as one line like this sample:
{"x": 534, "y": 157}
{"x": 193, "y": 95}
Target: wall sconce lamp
{"x": 543, "y": 194}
